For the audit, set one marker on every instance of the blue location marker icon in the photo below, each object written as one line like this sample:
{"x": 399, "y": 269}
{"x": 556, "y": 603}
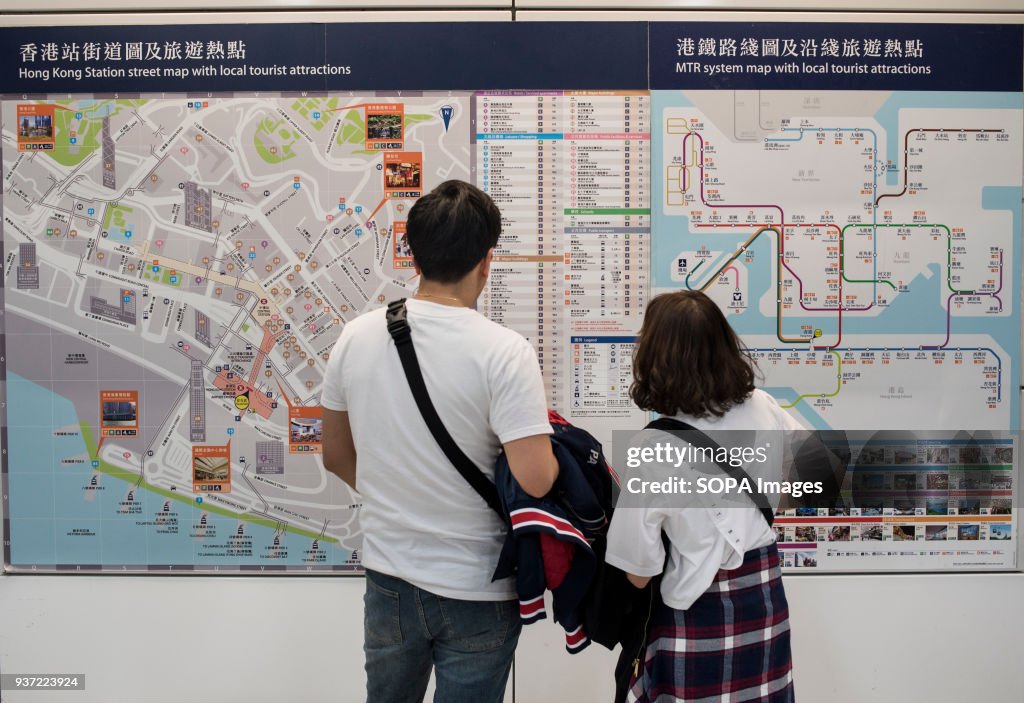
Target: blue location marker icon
{"x": 199, "y": 499}
{"x": 446, "y": 115}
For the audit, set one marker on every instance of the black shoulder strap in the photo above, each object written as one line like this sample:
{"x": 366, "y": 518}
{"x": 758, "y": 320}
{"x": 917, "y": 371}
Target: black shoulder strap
{"x": 700, "y": 439}
{"x": 398, "y": 327}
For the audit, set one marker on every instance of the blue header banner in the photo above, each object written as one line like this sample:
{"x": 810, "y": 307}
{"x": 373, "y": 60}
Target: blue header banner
{"x": 176, "y": 58}
{"x": 317, "y": 57}
{"x": 836, "y": 56}
{"x": 511, "y": 55}
{"x": 492, "y": 55}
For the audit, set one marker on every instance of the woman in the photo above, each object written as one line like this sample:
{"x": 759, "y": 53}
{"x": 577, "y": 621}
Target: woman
{"x": 720, "y": 630}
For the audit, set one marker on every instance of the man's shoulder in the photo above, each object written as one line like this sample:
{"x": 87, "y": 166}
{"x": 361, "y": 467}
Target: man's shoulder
{"x": 500, "y": 334}
{"x": 504, "y": 347}
{"x": 372, "y": 319}
{"x": 481, "y": 334}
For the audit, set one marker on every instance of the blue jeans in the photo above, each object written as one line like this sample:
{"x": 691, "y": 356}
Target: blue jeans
{"x": 408, "y": 630}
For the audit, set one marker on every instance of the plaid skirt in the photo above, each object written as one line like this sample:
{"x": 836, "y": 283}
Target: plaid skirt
{"x": 730, "y": 646}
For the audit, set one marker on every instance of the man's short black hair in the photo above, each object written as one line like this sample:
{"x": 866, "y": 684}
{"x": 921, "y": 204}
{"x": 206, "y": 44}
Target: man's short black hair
{"x": 451, "y": 229}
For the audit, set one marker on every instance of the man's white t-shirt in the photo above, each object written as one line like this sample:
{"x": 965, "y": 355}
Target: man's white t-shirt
{"x": 421, "y": 521}
{"x": 702, "y": 539}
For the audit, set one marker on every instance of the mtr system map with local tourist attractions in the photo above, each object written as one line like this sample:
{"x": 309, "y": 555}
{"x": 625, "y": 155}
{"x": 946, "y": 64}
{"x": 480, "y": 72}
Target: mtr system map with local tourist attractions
{"x": 178, "y": 268}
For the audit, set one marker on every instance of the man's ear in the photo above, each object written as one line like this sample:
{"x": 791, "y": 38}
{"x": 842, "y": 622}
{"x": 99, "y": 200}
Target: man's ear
{"x": 484, "y": 267}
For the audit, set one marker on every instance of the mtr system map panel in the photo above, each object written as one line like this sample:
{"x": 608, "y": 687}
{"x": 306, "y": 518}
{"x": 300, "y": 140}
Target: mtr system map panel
{"x": 178, "y": 266}
{"x": 865, "y": 247}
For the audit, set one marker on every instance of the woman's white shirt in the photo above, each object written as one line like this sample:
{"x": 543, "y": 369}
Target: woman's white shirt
{"x": 710, "y": 532}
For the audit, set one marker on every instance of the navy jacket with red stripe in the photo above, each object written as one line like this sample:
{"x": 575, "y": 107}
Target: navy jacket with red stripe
{"x": 550, "y": 542}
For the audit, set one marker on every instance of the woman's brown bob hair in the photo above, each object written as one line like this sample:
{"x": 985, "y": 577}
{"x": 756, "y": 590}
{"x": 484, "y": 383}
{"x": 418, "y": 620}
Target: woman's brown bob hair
{"x": 688, "y": 359}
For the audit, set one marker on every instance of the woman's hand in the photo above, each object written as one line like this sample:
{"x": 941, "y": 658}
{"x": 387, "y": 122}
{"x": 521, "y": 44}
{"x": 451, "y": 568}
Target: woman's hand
{"x": 638, "y": 581}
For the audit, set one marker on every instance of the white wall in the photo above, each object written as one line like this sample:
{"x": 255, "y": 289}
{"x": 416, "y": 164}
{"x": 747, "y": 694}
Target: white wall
{"x": 157, "y": 639}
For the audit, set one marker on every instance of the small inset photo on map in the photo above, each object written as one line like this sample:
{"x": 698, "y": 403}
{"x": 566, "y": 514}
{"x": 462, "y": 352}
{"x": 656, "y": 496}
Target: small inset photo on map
{"x": 305, "y": 429}
{"x": 401, "y": 253}
{"x": 970, "y": 455}
{"x": 968, "y": 506}
{"x": 936, "y": 506}
{"x": 904, "y": 507}
{"x": 1001, "y": 481}
{"x": 904, "y": 482}
{"x": 1000, "y": 532}
{"x": 968, "y": 532}
{"x": 403, "y": 173}
{"x": 211, "y": 468}
{"x": 385, "y": 125}
{"x": 871, "y": 533}
{"x": 839, "y": 533}
{"x": 119, "y": 413}
{"x": 868, "y": 482}
{"x": 904, "y": 456}
{"x": 973, "y": 481}
{"x": 934, "y": 533}
{"x": 871, "y": 508}
{"x": 806, "y": 560}
{"x": 1000, "y": 506}
{"x": 937, "y": 481}
{"x": 35, "y": 127}
{"x": 938, "y": 455}
{"x": 805, "y": 534}
{"x": 872, "y": 455}
{"x": 904, "y": 533}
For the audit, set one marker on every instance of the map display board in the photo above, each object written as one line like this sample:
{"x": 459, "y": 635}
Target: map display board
{"x": 166, "y": 337}
{"x": 866, "y": 247}
{"x": 569, "y": 171}
{"x": 178, "y": 266}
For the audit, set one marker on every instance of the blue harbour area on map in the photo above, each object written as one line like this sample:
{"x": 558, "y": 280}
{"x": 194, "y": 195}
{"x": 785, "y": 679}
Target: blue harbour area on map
{"x": 59, "y": 518}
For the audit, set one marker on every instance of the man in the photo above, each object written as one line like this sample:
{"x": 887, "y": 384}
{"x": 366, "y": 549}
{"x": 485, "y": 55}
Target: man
{"x": 430, "y": 543}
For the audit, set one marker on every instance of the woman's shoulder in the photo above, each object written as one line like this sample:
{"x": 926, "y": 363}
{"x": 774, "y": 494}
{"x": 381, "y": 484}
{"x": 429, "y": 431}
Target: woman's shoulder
{"x": 760, "y": 399}
{"x": 763, "y": 402}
